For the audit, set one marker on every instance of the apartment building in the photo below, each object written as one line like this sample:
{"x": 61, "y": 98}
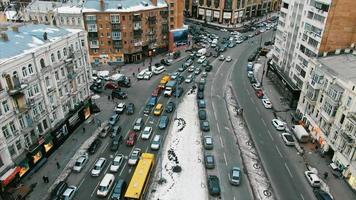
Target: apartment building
{"x": 308, "y": 29}
{"x": 44, "y": 94}
{"x": 126, "y": 30}
{"x": 328, "y": 106}
{"x": 229, "y": 11}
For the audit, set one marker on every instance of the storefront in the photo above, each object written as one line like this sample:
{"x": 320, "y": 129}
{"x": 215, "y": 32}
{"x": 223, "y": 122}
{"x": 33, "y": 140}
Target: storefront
{"x": 9, "y": 176}
{"x": 60, "y": 134}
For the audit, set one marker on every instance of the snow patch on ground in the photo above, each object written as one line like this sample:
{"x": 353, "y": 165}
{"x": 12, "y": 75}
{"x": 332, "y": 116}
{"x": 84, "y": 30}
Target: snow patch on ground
{"x": 182, "y": 148}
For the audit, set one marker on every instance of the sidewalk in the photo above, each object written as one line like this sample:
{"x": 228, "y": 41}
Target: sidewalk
{"x": 338, "y": 187}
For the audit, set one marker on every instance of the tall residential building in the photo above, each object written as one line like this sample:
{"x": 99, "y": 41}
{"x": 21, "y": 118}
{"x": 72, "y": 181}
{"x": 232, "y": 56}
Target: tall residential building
{"x": 229, "y": 11}
{"x": 44, "y": 94}
{"x": 328, "y": 105}
{"x": 312, "y": 28}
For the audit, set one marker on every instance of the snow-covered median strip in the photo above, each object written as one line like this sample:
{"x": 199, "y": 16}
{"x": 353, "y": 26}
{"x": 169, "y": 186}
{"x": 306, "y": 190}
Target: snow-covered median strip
{"x": 183, "y": 149}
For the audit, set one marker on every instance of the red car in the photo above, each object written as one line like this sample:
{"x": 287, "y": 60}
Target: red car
{"x": 131, "y": 139}
{"x": 111, "y": 86}
{"x": 259, "y": 93}
{"x": 157, "y": 91}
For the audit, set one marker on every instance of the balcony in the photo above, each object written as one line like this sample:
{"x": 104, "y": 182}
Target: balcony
{"x": 137, "y": 33}
{"x": 164, "y": 13}
{"x": 18, "y": 89}
{"x": 152, "y": 20}
{"x": 118, "y": 45}
{"x": 93, "y": 44}
{"x": 137, "y": 18}
{"x": 116, "y": 27}
{"x": 348, "y": 137}
{"x": 71, "y": 75}
{"x": 328, "y": 118}
{"x": 93, "y": 29}
{"x": 312, "y": 96}
{"x": 21, "y": 109}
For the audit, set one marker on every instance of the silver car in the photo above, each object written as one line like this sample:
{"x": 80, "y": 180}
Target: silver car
{"x": 235, "y": 176}
{"x": 80, "y": 163}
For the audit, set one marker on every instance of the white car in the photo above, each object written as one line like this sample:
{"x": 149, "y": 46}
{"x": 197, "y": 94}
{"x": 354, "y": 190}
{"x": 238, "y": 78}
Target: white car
{"x": 141, "y": 75}
{"x": 263, "y": 30}
{"x": 191, "y": 68}
{"x": 98, "y": 167}
{"x": 249, "y": 64}
{"x": 116, "y": 163}
{"x": 267, "y": 103}
{"x": 213, "y": 45}
{"x": 69, "y": 193}
{"x": 80, "y": 163}
{"x": 120, "y": 107}
{"x": 255, "y": 86}
{"x": 279, "y": 124}
{"x": 288, "y": 139}
{"x": 147, "y": 75}
{"x": 228, "y": 59}
{"x": 156, "y": 142}
{"x": 221, "y": 57}
{"x": 312, "y": 178}
{"x": 146, "y": 133}
{"x": 224, "y": 30}
{"x": 188, "y": 80}
{"x": 201, "y": 59}
{"x": 134, "y": 156}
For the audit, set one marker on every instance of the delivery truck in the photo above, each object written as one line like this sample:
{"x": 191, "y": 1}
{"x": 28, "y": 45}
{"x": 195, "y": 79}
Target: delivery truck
{"x": 300, "y": 133}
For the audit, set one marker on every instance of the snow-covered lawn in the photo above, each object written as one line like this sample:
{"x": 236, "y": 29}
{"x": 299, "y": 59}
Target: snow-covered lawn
{"x": 182, "y": 148}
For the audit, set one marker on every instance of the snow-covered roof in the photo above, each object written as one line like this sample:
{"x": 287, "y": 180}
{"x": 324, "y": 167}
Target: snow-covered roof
{"x": 45, "y": 6}
{"x": 69, "y": 9}
{"x": 10, "y": 15}
{"x": 30, "y": 37}
{"x": 126, "y": 5}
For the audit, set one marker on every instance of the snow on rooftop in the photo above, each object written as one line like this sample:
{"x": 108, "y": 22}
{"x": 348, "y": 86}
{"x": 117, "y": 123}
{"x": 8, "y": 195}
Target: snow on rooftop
{"x": 126, "y": 5}
{"x": 69, "y": 9}
{"x": 10, "y": 14}
{"x": 184, "y": 139}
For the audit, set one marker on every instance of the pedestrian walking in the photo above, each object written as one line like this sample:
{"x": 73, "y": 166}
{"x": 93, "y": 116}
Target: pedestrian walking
{"x": 83, "y": 129}
{"x": 326, "y": 174}
{"x": 44, "y": 179}
{"x": 133, "y": 74}
{"x": 58, "y": 165}
{"x": 138, "y": 70}
{"x": 108, "y": 97}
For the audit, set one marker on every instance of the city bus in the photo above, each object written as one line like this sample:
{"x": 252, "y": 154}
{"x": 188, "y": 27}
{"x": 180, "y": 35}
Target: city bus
{"x": 140, "y": 178}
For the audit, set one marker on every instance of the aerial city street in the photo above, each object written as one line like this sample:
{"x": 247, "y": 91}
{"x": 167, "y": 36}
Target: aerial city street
{"x": 173, "y": 99}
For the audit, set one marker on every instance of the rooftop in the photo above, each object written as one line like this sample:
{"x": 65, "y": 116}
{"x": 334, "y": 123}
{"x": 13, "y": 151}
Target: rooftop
{"x": 29, "y": 38}
{"x": 122, "y": 5}
{"x": 45, "y": 6}
{"x": 342, "y": 66}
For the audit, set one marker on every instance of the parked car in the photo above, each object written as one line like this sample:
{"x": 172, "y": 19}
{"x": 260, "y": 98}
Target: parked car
{"x": 228, "y": 59}
{"x": 120, "y": 108}
{"x": 170, "y": 107}
{"x": 288, "y": 139}
{"x": 278, "y": 124}
{"x": 80, "y": 163}
{"x": 134, "y": 156}
{"x": 256, "y": 86}
{"x": 235, "y": 176}
{"x": 259, "y": 93}
{"x": 201, "y": 103}
{"x": 267, "y": 103}
{"x": 69, "y": 193}
{"x": 146, "y": 133}
{"x": 214, "y": 185}
{"x": 98, "y": 167}
{"x": 200, "y": 95}
{"x": 111, "y": 86}
{"x": 202, "y": 114}
{"x": 117, "y": 162}
{"x": 322, "y": 195}
{"x": 204, "y": 125}
{"x": 130, "y": 108}
{"x": 221, "y": 58}
{"x": 163, "y": 122}
{"x": 312, "y": 179}
{"x": 118, "y": 94}
{"x": 58, "y": 190}
{"x": 147, "y": 75}
{"x": 94, "y": 146}
{"x": 131, "y": 139}
{"x": 113, "y": 119}
{"x": 208, "y": 68}
{"x": 209, "y": 161}
{"x": 208, "y": 142}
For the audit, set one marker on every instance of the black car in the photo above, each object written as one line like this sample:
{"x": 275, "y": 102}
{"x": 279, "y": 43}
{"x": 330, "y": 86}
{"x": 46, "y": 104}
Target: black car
{"x": 118, "y": 94}
{"x": 176, "y": 54}
{"x": 322, "y": 195}
{"x": 180, "y": 79}
{"x": 170, "y": 107}
{"x": 165, "y": 62}
{"x": 124, "y": 82}
{"x": 251, "y": 58}
{"x": 200, "y": 95}
{"x": 252, "y": 80}
{"x": 58, "y": 190}
{"x": 201, "y": 87}
{"x": 94, "y": 146}
{"x": 202, "y": 114}
{"x": 130, "y": 108}
{"x": 147, "y": 110}
{"x": 97, "y": 88}
{"x": 115, "y": 143}
{"x": 208, "y": 68}
{"x": 267, "y": 43}
{"x": 213, "y": 185}
{"x": 178, "y": 92}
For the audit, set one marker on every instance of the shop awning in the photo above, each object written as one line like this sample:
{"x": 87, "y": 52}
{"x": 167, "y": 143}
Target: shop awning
{"x": 9, "y": 175}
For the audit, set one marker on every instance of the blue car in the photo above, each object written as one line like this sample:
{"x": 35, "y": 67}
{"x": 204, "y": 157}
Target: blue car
{"x": 152, "y": 101}
{"x": 113, "y": 119}
{"x": 163, "y": 122}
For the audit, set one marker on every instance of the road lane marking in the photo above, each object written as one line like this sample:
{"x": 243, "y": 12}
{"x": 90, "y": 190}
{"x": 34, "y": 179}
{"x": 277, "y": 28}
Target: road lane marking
{"x": 102, "y": 150}
{"x": 222, "y": 144}
{"x": 212, "y": 104}
{"x": 95, "y": 189}
{"x": 217, "y": 127}
{"x": 123, "y": 168}
{"x": 270, "y": 135}
{"x": 81, "y": 182}
{"x": 279, "y": 152}
{"x": 264, "y": 122}
{"x": 225, "y": 159}
{"x": 289, "y": 172}
{"x": 301, "y": 195}
{"x": 258, "y": 111}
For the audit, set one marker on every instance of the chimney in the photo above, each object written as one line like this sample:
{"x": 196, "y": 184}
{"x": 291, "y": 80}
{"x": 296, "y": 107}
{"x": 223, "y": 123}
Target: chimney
{"x": 4, "y": 36}
{"x": 154, "y": 2}
{"x": 15, "y": 29}
{"x": 45, "y": 36}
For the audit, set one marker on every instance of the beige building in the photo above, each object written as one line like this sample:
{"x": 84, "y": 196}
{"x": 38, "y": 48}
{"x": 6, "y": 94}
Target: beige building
{"x": 328, "y": 105}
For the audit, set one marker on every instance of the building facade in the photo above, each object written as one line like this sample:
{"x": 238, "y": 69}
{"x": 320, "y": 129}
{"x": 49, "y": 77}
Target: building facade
{"x": 328, "y": 106}
{"x": 229, "y": 11}
{"x": 308, "y": 29}
{"x": 125, "y": 31}
{"x": 44, "y": 94}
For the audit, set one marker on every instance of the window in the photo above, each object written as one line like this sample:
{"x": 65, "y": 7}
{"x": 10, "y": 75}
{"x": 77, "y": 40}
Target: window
{"x": 52, "y": 57}
{"x": 36, "y": 88}
{"x": 45, "y": 125}
{"x": 60, "y": 92}
{"x": 29, "y": 92}
{"x": 76, "y": 46}
{"x": 108, "y": 35}
{"x": 64, "y": 51}
{"x": 79, "y": 20}
{"x": 40, "y": 107}
{"x": 18, "y": 145}
{"x": 59, "y": 55}
{"x": 56, "y": 75}
{"x": 42, "y": 63}
{"x": 24, "y": 71}
{"x": 73, "y": 20}
{"x": 30, "y": 70}
{"x": 22, "y": 122}
{"x": 13, "y": 128}
{"x": 82, "y": 42}
{"x": 12, "y": 150}
{"x": 40, "y": 129}
{"x": 5, "y": 106}
{"x": 6, "y": 132}
{"x": 62, "y": 72}
{"x": 349, "y": 100}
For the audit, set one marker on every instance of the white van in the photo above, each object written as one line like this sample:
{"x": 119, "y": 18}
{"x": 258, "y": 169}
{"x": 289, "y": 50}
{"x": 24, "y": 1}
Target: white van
{"x": 106, "y": 185}
{"x": 158, "y": 70}
{"x": 201, "y": 52}
{"x": 141, "y": 74}
{"x": 300, "y": 133}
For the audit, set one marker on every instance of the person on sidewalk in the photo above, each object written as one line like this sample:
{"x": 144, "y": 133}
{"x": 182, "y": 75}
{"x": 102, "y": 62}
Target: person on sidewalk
{"x": 109, "y": 97}
{"x": 58, "y": 165}
{"x": 83, "y": 129}
{"x": 326, "y": 174}
{"x": 44, "y": 179}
